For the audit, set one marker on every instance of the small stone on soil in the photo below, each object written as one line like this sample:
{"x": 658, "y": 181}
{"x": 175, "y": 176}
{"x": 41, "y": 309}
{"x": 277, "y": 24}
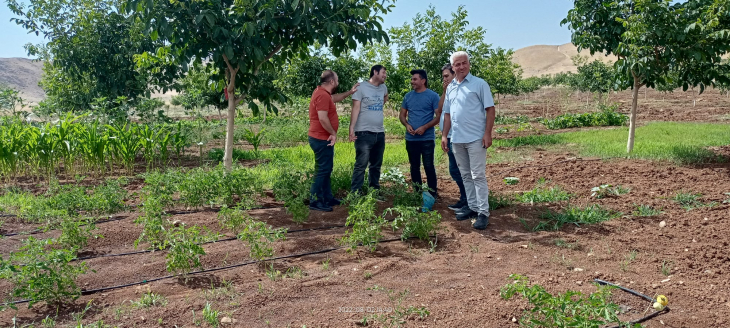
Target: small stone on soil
{"x": 662, "y": 224}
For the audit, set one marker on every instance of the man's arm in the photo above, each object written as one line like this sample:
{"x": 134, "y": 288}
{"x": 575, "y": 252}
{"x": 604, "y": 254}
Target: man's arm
{"x": 487, "y": 139}
{"x": 404, "y": 120}
{"x": 445, "y": 133}
{"x": 353, "y": 118}
{"x": 341, "y": 96}
{"x": 327, "y": 126}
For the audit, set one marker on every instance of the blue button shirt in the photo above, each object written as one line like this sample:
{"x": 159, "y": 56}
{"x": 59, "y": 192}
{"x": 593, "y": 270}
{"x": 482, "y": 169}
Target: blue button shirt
{"x": 466, "y": 103}
{"x": 421, "y": 109}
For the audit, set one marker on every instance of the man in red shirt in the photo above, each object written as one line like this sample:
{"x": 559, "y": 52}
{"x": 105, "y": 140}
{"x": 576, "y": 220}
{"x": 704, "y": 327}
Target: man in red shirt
{"x": 323, "y": 125}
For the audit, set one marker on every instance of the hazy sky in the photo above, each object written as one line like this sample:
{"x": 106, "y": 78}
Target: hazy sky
{"x": 509, "y": 23}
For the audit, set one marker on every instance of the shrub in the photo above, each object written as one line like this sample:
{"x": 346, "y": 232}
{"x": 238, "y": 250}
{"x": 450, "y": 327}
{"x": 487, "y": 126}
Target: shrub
{"x": 366, "y": 226}
{"x": 184, "y": 250}
{"x": 38, "y": 273}
{"x": 607, "y": 116}
{"x": 292, "y": 187}
{"x": 570, "y": 309}
{"x": 260, "y": 238}
{"x": 414, "y": 222}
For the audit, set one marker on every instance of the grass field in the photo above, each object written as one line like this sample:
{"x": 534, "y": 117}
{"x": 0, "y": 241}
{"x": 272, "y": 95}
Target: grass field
{"x": 671, "y": 141}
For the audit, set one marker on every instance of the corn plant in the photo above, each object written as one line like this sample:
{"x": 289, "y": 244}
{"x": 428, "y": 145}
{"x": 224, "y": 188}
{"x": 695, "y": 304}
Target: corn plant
{"x": 164, "y": 138}
{"x": 148, "y": 143}
{"x": 125, "y": 144}
{"x": 95, "y": 146}
{"x": 12, "y": 136}
{"x": 66, "y": 133}
{"x": 180, "y": 141}
{"x": 40, "y": 273}
{"x": 254, "y": 138}
{"x": 184, "y": 250}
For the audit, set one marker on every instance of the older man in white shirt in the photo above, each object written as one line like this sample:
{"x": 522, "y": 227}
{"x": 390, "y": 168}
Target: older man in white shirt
{"x": 469, "y": 111}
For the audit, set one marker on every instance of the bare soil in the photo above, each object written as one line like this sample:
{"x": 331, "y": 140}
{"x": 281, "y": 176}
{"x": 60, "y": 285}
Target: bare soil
{"x": 459, "y": 282}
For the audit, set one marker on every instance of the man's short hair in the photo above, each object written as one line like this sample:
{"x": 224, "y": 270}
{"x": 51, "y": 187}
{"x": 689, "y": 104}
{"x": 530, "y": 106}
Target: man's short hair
{"x": 327, "y": 76}
{"x": 376, "y": 68}
{"x": 421, "y": 73}
{"x": 448, "y": 67}
{"x": 459, "y": 54}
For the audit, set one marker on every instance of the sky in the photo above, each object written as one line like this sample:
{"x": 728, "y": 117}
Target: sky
{"x": 509, "y": 23}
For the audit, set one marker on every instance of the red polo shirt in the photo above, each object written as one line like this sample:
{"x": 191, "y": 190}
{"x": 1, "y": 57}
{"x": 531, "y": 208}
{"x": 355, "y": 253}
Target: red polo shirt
{"x": 322, "y": 101}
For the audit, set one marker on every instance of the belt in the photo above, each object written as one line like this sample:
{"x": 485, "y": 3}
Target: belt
{"x": 368, "y": 132}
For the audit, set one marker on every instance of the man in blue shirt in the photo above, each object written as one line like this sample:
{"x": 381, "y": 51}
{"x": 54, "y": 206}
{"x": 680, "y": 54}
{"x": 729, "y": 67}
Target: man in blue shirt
{"x": 417, "y": 114}
{"x": 469, "y": 111}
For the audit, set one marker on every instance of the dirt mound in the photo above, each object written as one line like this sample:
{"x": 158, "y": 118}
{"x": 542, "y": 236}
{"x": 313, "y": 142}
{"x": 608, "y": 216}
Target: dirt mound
{"x": 541, "y": 59}
{"x": 22, "y": 74}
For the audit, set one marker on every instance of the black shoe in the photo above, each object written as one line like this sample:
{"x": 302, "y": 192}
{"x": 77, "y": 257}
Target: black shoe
{"x": 334, "y": 202}
{"x": 317, "y": 206}
{"x": 458, "y": 206}
{"x": 481, "y": 223}
{"x": 466, "y": 215}
{"x": 463, "y": 209}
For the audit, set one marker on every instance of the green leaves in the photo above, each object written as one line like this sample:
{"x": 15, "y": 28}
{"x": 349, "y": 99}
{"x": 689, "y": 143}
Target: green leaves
{"x": 569, "y": 309}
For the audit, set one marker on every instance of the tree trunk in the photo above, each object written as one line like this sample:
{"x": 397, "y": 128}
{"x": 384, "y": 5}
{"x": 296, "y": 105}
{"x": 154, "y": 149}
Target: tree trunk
{"x": 265, "y": 115}
{"x": 632, "y": 119}
{"x": 228, "y": 155}
{"x": 694, "y": 98}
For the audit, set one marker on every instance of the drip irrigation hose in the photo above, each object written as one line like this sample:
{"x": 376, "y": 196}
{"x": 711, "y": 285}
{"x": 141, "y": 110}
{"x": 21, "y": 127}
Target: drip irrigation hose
{"x": 635, "y": 293}
{"x": 94, "y": 291}
{"x": 205, "y": 243}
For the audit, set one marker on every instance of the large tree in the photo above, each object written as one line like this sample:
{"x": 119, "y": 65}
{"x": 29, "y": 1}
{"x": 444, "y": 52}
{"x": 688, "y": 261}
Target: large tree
{"x": 653, "y": 38}
{"x": 244, "y": 38}
{"x": 89, "y": 51}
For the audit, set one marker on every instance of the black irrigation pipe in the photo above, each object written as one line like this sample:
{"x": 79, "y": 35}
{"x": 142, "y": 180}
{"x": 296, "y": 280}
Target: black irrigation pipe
{"x": 633, "y": 292}
{"x": 94, "y": 291}
{"x": 205, "y": 243}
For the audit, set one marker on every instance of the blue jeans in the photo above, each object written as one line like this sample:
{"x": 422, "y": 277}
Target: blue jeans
{"x": 455, "y": 173}
{"x": 323, "y": 159}
{"x": 422, "y": 149}
{"x": 369, "y": 149}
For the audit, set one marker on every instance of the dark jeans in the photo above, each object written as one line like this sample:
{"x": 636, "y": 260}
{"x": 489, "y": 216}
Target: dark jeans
{"x": 455, "y": 173}
{"x": 323, "y": 159}
{"x": 422, "y": 149}
{"x": 369, "y": 148}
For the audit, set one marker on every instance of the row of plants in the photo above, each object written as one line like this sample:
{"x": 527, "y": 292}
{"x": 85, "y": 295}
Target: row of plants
{"x": 607, "y": 116}
{"x": 81, "y": 145}
{"x": 65, "y": 201}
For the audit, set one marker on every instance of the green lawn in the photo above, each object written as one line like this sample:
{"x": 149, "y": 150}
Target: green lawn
{"x": 672, "y": 141}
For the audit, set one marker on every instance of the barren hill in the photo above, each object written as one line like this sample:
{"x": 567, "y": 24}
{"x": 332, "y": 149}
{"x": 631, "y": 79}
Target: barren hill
{"x": 22, "y": 74}
{"x": 540, "y": 59}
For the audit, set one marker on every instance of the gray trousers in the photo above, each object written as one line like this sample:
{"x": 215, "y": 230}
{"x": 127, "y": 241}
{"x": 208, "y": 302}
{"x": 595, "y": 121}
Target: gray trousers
{"x": 472, "y": 161}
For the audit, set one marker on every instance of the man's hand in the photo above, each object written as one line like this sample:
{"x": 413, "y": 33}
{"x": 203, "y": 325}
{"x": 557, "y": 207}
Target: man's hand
{"x": 420, "y": 131}
{"x": 446, "y": 85}
{"x": 332, "y": 139}
{"x": 354, "y": 88}
{"x": 445, "y": 144}
{"x": 353, "y": 137}
{"x": 409, "y": 128}
{"x": 487, "y": 141}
